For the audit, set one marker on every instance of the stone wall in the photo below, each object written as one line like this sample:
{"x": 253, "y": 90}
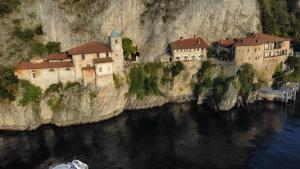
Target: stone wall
{"x": 150, "y": 26}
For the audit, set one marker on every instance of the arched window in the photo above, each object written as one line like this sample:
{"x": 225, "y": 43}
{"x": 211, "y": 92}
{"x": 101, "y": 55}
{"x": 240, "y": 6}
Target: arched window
{"x": 185, "y": 58}
{"x": 100, "y": 69}
{"x": 194, "y": 57}
{"x": 67, "y": 69}
{"x": 51, "y": 70}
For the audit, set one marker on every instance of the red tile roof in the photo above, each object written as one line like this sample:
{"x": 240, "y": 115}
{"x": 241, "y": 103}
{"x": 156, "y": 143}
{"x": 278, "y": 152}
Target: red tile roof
{"x": 191, "y": 43}
{"x": 57, "y": 56}
{"x": 227, "y": 43}
{"x": 260, "y": 38}
{"x": 103, "y": 60}
{"x": 90, "y": 47}
{"x": 88, "y": 68}
{"x": 43, "y": 65}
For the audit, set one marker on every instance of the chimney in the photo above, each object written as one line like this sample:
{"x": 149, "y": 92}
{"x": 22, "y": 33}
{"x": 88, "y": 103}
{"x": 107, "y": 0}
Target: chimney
{"x": 194, "y": 36}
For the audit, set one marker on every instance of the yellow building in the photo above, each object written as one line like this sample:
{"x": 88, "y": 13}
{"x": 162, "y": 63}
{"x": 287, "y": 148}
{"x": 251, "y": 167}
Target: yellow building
{"x": 192, "y": 49}
{"x": 264, "y": 52}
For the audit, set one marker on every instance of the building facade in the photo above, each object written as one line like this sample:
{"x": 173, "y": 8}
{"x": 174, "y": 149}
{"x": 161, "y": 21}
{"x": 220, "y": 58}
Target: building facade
{"x": 264, "y": 52}
{"x": 192, "y": 49}
{"x": 92, "y": 63}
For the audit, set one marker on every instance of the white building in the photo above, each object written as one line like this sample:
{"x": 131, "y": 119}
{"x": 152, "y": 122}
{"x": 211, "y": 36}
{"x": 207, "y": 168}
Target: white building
{"x": 92, "y": 63}
{"x": 192, "y": 49}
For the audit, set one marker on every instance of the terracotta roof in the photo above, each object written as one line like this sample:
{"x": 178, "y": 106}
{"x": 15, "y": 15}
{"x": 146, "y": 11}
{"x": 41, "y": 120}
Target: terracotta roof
{"x": 88, "y": 68}
{"x": 43, "y": 65}
{"x": 90, "y": 47}
{"x": 227, "y": 43}
{"x": 191, "y": 43}
{"x": 103, "y": 60}
{"x": 260, "y": 38}
{"x": 57, "y": 56}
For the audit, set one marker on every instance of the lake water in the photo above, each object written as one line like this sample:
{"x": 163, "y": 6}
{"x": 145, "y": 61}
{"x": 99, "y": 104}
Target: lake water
{"x": 175, "y": 136}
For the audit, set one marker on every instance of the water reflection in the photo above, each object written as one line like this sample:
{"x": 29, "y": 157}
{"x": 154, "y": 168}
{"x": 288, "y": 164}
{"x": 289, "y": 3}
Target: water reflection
{"x": 173, "y": 136}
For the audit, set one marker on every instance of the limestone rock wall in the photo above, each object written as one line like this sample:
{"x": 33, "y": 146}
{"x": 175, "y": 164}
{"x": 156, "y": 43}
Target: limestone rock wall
{"x": 77, "y": 108}
{"x": 150, "y": 23}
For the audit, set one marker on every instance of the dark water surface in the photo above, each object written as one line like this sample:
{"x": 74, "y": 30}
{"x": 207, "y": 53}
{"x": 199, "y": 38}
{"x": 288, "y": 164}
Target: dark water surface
{"x": 175, "y": 136}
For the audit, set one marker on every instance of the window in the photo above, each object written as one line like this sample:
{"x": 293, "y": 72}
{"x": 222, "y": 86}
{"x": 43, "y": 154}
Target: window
{"x": 100, "y": 69}
{"x": 107, "y": 55}
{"x": 97, "y": 55}
{"x": 177, "y": 58}
{"x": 33, "y": 74}
{"x": 83, "y": 57}
{"x": 51, "y": 70}
{"x": 248, "y": 50}
{"x": 67, "y": 69}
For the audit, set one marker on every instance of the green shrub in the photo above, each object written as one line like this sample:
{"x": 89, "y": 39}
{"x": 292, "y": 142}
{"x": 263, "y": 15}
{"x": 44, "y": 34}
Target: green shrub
{"x": 152, "y": 68}
{"x": 31, "y": 93}
{"x": 167, "y": 77}
{"x": 137, "y": 78}
{"x": 246, "y": 77}
{"x": 38, "y": 48}
{"x": 177, "y": 68}
{"x": 128, "y": 47}
{"x": 53, "y": 47}
{"x": 205, "y": 79}
{"x": 39, "y": 30}
{"x": 8, "y": 6}
{"x": 54, "y": 88}
{"x": 76, "y": 86}
{"x": 8, "y": 84}
{"x": 55, "y": 103}
{"x": 151, "y": 86}
{"x": 25, "y": 35}
{"x": 144, "y": 80}
{"x": 118, "y": 81}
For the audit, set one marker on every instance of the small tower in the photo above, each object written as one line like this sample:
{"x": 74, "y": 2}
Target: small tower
{"x": 115, "y": 42}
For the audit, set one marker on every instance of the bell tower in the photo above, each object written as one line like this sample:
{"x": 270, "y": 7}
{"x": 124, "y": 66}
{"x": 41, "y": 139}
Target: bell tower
{"x": 115, "y": 42}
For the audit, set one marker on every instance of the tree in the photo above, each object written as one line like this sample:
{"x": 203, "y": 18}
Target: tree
{"x": 38, "y": 48}
{"x": 8, "y": 6}
{"x": 177, "y": 68}
{"x": 128, "y": 47}
{"x": 25, "y": 35}
{"x": 8, "y": 83}
{"x": 39, "y": 30}
{"x": 31, "y": 93}
{"x": 246, "y": 77}
{"x": 53, "y": 47}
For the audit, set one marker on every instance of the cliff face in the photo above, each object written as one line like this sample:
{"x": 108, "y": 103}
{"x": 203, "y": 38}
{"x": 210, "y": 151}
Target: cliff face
{"x": 151, "y": 24}
{"x": 77, "y": 107}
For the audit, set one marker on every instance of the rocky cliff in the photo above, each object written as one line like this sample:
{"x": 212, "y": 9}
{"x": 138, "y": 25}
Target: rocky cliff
{"x": 78, "y": 106}
{"x": 150, "y": 23}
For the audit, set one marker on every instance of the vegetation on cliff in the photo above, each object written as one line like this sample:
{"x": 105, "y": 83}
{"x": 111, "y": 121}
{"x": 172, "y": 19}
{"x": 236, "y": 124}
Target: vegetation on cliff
{"x": 246, "y": 76}
{"x": 281, "y": 17}
{"x": 8, "y": 6}
{"x": 128, "y": 48}
{"x": 144, "y": 79}
{"x": 8, "y": 84}
{"x": 31, "y": 93}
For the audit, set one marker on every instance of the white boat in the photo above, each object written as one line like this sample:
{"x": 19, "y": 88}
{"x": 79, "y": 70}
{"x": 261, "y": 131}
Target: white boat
{"x": 75, "y": 164}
